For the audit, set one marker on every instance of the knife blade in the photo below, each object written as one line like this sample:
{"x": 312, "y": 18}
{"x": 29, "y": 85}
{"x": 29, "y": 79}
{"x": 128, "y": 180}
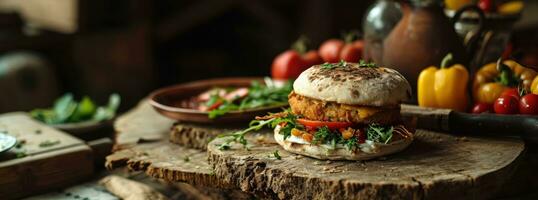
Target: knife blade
{"x": 485, "y": 124}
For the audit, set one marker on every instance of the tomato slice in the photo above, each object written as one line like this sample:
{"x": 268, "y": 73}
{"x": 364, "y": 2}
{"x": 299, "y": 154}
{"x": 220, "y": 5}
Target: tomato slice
{"x": 317, "y": 124}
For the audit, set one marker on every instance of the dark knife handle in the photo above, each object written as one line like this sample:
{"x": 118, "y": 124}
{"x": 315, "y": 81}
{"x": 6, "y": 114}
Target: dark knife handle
{"x": 495, "y": 125}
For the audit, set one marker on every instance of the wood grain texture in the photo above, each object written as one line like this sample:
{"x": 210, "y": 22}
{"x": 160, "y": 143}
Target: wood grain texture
{"x": 435, "y": 166}
{"x": 43, "y": 168}
{"x": 143, "y": 147}
{"x": 141, "y": 124}
{"x": 198, "y": 135}
{"x": 166, "y": 161}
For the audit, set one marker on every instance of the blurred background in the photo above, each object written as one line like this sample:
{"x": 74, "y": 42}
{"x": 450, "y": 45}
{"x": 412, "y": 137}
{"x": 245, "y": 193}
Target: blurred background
{"x": 97, "y": 47}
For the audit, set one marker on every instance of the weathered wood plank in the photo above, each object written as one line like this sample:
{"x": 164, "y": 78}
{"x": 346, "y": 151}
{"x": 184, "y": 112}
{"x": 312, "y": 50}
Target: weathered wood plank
{"x": 64, "y": 161}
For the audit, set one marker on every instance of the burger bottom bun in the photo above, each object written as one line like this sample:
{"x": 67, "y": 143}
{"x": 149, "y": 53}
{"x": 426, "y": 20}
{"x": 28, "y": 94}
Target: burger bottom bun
{"x": 322, "y": 152}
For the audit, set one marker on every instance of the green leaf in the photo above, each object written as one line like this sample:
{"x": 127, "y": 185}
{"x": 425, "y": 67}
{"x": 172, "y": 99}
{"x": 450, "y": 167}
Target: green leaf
{"x": 276, "y": 155}
{"x": 363, "y": 63}
{"x": 323, "y": 134}
{"x": 378, "y": 133}
{"x": 84, "y": 111}
{"x": 63, "y": 108}
{"x": 239, "y": 136}
{"x": 108, "y": 112}
{"x": 259, "y": 95}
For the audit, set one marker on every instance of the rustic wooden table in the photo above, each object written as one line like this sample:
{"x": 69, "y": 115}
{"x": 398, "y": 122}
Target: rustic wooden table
{"x": 435, "y": 166}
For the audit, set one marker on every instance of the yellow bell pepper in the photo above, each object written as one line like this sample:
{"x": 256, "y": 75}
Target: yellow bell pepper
{"x": 510, "y": 8}
{"x": 456, "y": 4}
{"x": 493, "y": 78}
{"x": 534, "y": 85}
{"x": 445, "y": 87}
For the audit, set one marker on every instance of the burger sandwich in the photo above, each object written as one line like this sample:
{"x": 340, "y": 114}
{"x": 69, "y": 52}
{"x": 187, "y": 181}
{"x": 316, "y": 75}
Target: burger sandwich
{"x": 343, "y": 111}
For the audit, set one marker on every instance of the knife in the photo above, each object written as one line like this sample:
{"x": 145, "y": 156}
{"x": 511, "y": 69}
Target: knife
{"x": 485, "y": 124}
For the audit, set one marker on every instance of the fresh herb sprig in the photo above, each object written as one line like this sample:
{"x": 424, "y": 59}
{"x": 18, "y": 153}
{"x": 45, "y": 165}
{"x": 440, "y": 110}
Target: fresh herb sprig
{"x": 363, "y": 63}
{"x": 326, "y": 65}
{"x": 239, "y": 136}
{"x": 378, "y": 133}
{"x": 276, "y": 155}
{"x": 289, "y": 122}
{"x": 259, "y": 95}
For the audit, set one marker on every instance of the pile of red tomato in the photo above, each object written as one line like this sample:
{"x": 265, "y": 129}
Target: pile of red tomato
{"x": 290, "y": 63}
{"x": 510, "y": 102}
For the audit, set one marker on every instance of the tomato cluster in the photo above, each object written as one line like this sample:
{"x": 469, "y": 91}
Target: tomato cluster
{"x": 290, "y": 63}
{"x": 334, "y": 50}
{"x": 510, "y": 102}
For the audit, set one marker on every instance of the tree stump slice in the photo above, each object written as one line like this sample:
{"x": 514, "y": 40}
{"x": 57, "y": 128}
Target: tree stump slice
{"x": 434, "y": 166}
{"x": 198, "y": 135}
{"x": 167, "y": 161}
{"x": 141, "y": 145}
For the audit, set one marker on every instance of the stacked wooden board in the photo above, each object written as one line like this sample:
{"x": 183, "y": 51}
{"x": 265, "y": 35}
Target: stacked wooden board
{"x": 44, "y": 159}
{"x": 435, "y": 166}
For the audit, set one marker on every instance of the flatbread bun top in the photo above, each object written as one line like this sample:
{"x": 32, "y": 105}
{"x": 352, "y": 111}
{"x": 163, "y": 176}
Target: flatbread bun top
{"x": 349, "y": 83}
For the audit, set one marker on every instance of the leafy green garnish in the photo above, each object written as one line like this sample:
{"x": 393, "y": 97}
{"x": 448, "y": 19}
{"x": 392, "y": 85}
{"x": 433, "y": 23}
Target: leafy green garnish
{"x": 239, "y": 136}
{"x": 378, "y": 133}
{"x": 223, "y": 109}
{"x": 363, "y": 63}
{"x": 20, "y": 154}
{"x": 290, "y": 121}
{"x": 48, "y": 143}
{"x": 108, "y": 112}
{"x": 326, "y": 65}
{"x": 259, "y": 95}
{"x": 351, "y": 143}
{"x": 67, "y": 110}
{"x": 323, "y": 134}
{"x": 276, "y": 155}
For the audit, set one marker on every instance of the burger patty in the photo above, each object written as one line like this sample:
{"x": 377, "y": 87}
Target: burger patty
{"x": 319, "y": 110}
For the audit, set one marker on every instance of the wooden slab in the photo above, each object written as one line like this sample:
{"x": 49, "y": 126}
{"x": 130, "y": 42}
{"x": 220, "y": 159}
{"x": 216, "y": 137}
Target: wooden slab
{"x": 141, "y": 145}
{"x": 435, "y": 166}
{"x": 141, "y": 124}
{"x": 198, "y": 135}
{"x": 166, "y": 161}
{"x": 66, "y": 160}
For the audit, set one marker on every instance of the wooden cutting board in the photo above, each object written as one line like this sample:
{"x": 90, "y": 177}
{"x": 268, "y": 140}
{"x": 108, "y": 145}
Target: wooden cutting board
{"x": 46, "y": 159}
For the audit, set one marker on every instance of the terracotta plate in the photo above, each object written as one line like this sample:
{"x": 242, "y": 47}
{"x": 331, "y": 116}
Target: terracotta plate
{"x": 167, "y": 100}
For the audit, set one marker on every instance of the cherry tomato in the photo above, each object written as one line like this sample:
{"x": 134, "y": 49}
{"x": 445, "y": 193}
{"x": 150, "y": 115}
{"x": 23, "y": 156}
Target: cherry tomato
{"x": 529, "y": 104}
{"x": 312, "y": 58}
{"x": 288, "y": 65}
{"x": 351, "y": 53}
{"x": 486, "y": 5}
{"x": 482, "y": 107}
{"x": 330, "y": 125}
{"x": 330, "y": 50}
{"x": 511, "y": 92}
{"x": 358, "y": 44}
{"x": 507, "y": 104}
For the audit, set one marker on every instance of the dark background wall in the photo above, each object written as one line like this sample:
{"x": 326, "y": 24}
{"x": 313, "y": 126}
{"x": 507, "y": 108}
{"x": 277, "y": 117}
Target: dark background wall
{"x": 135, "y": 46}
